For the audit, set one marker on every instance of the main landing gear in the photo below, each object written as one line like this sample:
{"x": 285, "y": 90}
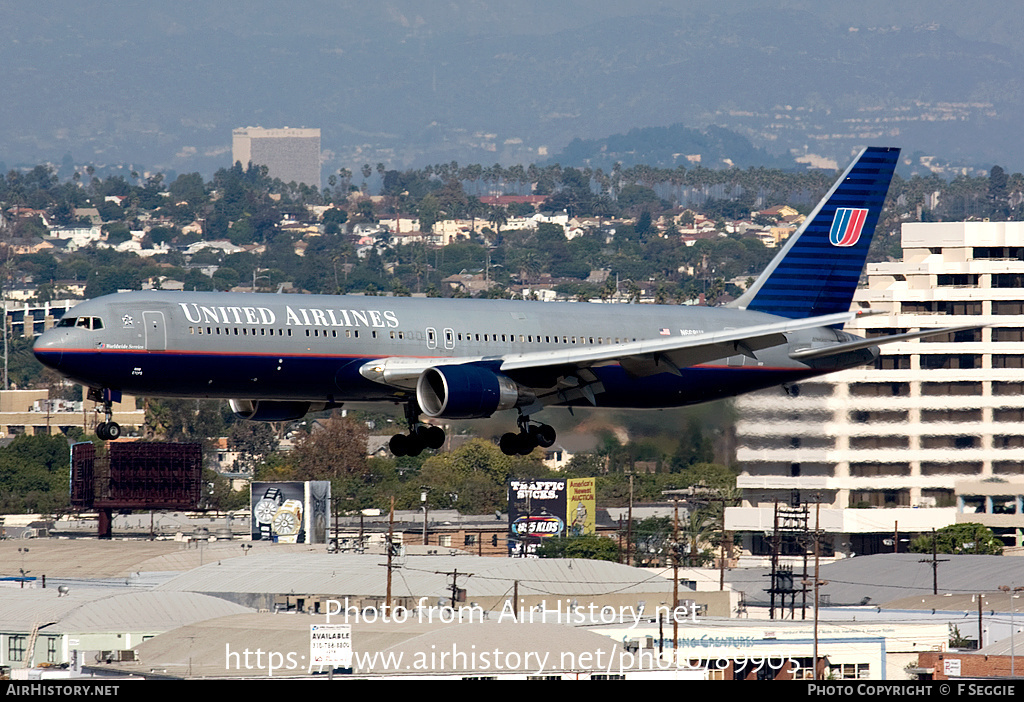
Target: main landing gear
{"x": 421, "y": 436}
{"x": 530, "y": 436}
{"x": 108, "y": 429}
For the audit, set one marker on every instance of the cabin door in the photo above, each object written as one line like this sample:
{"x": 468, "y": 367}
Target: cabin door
{"x": 156, "y": 331}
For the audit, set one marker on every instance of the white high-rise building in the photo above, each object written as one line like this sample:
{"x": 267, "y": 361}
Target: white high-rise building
{"x": 289, "y": 154}
{"x": 934, "y": 432}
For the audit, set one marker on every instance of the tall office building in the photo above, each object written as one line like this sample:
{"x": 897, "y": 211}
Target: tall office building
{"x": 934, "y": 431}
{"x": 289, "y": 154}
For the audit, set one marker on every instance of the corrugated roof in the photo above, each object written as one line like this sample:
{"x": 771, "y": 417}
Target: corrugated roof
{"x": 99, "y": 610}
{"x": 92, "y": 558}
{"x": 216, "y": 648}
{"x": 366, "y": 575}
{"x": 882, "y": 578}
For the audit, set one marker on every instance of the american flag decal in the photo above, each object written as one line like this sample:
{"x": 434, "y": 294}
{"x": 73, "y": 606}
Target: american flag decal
{"x": 664, "y": 332}
{"x": 847, "y": 225}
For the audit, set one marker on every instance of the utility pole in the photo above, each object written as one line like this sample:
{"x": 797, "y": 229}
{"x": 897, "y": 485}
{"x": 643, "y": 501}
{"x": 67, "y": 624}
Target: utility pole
{"x": 629, "y": 526}
{"x": 935, "y": 561}
{"x": 675, "y": 581}
{"x": 391, "y": 549}
{"x": 455, "y": 586}
{"x": 337, "y": 534}
{"x": 818, "y": 582}
{"x": 1014, "y": 593}
{"x": 793, "y": 523}
{"x": 981, "y": 598}
{"x": 3, "y": 297}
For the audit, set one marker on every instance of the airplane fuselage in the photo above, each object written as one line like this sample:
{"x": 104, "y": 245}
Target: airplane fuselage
{"x": 312, "y": 347}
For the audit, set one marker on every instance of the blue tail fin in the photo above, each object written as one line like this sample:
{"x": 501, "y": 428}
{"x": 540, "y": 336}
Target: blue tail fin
{"x": 818, "y": 268}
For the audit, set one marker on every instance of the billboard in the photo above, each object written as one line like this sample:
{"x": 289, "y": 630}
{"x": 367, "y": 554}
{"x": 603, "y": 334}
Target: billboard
{"x": 290, "y": 512}
{"x": 581, "y": 505}
{"x": 541, "y": 509}
{"x": 136, "y": 475}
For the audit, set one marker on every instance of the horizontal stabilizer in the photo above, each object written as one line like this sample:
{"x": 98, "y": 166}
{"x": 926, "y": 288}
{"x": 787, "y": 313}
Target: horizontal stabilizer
{"x": 826, "y": 351}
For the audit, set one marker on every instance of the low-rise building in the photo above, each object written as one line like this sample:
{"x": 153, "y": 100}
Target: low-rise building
{"x": 32, "y": 412}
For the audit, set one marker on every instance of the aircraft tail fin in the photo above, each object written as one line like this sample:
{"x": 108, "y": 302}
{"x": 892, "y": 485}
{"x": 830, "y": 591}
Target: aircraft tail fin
{"x": 818, "y": 268}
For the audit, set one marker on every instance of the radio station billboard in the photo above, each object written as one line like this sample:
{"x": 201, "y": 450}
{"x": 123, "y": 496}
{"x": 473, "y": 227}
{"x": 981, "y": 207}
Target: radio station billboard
{"x": 541, "y": 509}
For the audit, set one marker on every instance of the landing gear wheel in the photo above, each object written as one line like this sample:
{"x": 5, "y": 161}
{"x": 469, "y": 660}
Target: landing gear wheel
{"x": 409, "y": 444}
{"x": 432, "y": 437}
{"x": 530, "y": 436}
{"x": 544, "y": 435}
{"x": 108, "y": 430}
{"x": 521, "y": 444}
{"x": 414, "y": 445}
{"x": 398, "y": 445}
{"x": 420, "y": 436}
{"x": 527, "y": 443}
{"x": 509, "y": 444}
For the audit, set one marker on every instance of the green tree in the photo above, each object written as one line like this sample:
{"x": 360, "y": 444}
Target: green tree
{"x": 474, "y": 476}
{"x": 185, "y": 420}
{"x": 34, "y": 474}
{"x": 219, "y": 496}
{"x": 697, "y": 534}
{"x": 589, "y": 546}
{"x": 694, "y": 447}
{"x": 652, "y": 541}
{"x": 429, "y": 211}
{"x": 254, "y": 441}
{"x": 960, "y": 538}
{"x": 333, "y": 449}
{"x": 998, "y": 194}
{"x": 117, "y": 233}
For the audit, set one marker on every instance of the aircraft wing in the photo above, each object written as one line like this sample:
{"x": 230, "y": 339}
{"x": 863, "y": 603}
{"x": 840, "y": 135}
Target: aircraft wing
{"x": 639, "y": 358}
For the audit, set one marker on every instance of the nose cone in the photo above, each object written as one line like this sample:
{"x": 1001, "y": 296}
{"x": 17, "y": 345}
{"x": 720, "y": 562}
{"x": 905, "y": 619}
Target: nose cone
{"x": 49, "y": 349}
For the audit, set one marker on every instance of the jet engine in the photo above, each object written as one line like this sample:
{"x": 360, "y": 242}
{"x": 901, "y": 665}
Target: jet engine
{"x": 269, "y": 410}
{"x": 468, "y": 392}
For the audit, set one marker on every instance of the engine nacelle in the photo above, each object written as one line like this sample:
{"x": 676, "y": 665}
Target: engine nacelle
{"x": 467, "y": 392}
{"x": 270, "y": 410}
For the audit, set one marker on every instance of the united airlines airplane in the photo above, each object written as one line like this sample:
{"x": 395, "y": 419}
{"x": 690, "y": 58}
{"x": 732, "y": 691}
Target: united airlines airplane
{"x": 277, "y": 357}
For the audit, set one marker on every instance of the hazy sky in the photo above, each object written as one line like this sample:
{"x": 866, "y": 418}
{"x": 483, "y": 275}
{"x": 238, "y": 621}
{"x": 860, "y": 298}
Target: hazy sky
{"x": 163, "y": 84}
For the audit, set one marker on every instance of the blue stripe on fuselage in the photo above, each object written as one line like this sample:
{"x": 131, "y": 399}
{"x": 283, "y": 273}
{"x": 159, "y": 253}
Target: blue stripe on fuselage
{"x": 337, "y": 379}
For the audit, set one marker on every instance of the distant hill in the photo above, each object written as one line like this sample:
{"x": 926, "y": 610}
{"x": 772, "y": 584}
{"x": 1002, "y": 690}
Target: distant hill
{"x": 408, "y": 83}
{"x": 668, "y": 147}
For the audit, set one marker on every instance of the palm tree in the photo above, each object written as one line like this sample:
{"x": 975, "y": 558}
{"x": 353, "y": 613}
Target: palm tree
{"x": 499, "y": 218}
{"x": 696, "y": 537}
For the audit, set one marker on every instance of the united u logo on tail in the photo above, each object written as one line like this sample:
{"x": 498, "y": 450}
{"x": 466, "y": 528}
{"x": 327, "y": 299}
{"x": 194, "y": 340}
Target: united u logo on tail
{"x": 847, "y": 226}
{"x": 819, "y": 266}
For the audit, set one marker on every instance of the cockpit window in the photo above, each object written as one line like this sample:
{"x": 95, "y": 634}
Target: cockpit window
{"x": 81, "y": 322}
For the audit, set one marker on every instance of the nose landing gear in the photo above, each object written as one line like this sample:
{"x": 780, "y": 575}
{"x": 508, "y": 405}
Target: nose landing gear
{"x": 108, "y": 429}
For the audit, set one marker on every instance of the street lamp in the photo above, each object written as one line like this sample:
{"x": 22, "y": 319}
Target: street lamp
{"x": 1012, "y": 592}
{"x": 424, "y": 491}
